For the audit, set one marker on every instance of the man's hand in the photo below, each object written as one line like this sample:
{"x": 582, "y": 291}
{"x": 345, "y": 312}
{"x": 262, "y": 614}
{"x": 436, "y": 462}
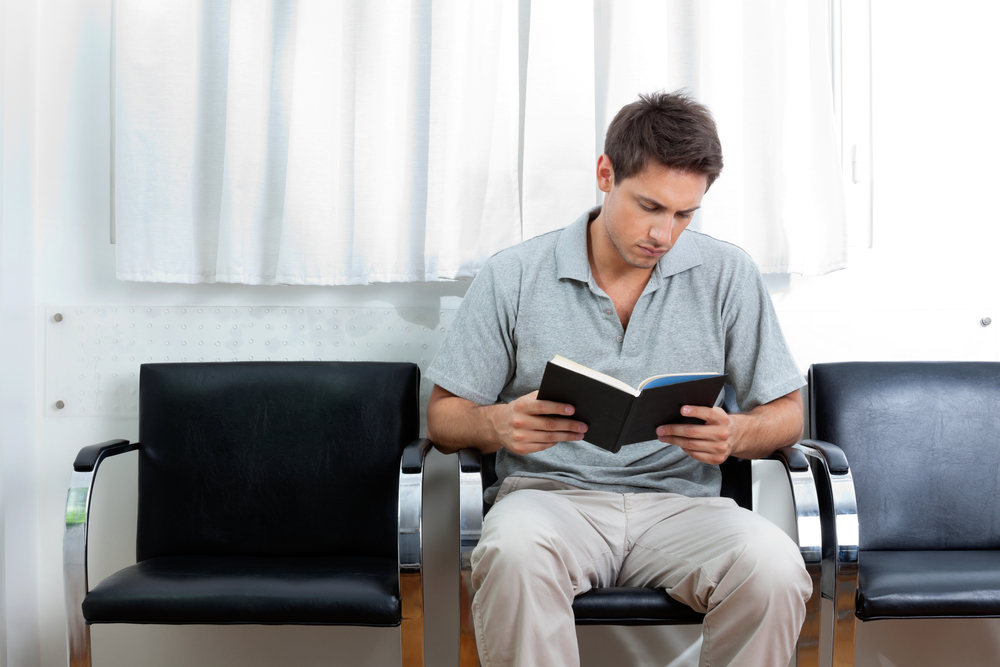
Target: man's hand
{"x": 528, "y": 425}
{"x": 749, "y": 435}
{"x": 711, "y": 442}
{"x": 523, "y": 426}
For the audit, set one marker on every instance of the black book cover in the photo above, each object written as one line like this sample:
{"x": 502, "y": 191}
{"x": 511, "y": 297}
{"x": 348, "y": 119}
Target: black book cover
{"x": 615, "y": 418}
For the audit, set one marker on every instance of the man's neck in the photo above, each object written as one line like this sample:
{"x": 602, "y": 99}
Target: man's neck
{"x": 622, "y": 282}
{"x": 607, "y": 266}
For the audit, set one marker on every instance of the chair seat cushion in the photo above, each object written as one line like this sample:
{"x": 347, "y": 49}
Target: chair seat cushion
{"x": 232, "y": 590}
{"x": 928, "y": 584}
{"x": 632, "y": 606}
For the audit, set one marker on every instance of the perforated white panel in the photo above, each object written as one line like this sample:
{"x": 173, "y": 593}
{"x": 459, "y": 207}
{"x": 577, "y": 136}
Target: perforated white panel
{"x": 93, "y": 353}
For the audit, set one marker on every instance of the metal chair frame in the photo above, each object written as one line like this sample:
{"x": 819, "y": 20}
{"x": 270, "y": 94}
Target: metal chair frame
{"x": 839, "y": 517}
{"x": 410, "y": 552}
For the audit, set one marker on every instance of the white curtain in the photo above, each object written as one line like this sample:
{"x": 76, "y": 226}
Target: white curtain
{"x": 317, "y": 142}
{"x": 761, "y": 66}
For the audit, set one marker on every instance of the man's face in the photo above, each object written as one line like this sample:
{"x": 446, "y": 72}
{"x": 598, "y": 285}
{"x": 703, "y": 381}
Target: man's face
{"x": 645, "y": 214}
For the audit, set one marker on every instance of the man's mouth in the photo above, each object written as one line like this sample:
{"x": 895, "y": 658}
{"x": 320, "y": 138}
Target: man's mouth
{"x": 650, "y": 251}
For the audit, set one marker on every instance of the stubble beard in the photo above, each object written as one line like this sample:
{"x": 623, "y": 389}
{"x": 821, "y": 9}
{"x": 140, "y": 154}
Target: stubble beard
{"x": 623, "y": 247}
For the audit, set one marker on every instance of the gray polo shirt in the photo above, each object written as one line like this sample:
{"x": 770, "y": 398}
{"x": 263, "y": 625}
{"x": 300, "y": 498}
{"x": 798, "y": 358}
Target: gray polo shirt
{"x": 704, "y": 309}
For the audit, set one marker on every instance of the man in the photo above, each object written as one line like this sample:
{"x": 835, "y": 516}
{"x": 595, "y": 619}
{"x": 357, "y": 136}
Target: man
{"x": 626, "y": 291}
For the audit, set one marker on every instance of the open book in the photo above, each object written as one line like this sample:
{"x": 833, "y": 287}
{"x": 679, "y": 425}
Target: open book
{"x": 617, "y": 414}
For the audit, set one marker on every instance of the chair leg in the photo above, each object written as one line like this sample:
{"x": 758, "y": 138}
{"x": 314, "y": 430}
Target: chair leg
{"x": 845, "y": 623}
{"x": 468, "y": 653}
{"x": 75, "y": 589}
{"x": 79, "y": 645}
{"x": 411, "y": 630}
{"x": 807, "y": 648}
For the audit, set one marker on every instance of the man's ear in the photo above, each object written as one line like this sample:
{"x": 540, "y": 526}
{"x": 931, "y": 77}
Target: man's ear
{"x": 605, "y": 174}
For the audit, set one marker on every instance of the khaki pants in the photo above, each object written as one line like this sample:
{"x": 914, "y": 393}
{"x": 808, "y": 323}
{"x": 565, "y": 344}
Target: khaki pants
{"x": 545, "y": 542}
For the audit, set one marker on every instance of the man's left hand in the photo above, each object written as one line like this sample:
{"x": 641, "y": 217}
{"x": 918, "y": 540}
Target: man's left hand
{"x": 711, "y": 442}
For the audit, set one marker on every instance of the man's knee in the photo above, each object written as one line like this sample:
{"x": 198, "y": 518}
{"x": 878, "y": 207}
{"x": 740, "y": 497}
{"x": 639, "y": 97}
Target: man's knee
{"x": 771, "y": 565}
{"x": 515, "y": 549}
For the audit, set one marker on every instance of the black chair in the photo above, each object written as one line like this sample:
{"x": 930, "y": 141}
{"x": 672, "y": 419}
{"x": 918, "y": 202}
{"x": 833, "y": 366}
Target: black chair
{"x": 908, "y": 479}
{"x": 644, "y": 606}
{"x": 269, "y": 493}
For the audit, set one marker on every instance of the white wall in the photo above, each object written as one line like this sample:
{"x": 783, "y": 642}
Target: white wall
{"x": 918, "y": 293}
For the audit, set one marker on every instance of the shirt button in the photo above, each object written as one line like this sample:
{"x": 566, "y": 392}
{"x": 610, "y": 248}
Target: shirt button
{"x": 608, "y": 311}
{"x": 619, "y": 339}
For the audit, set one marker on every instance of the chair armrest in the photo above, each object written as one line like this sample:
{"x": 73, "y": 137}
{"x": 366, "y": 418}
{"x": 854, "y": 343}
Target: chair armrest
{"x": 470, "y": 530}
{"x": 809, "y": 535}
{"x": 411, "y": 481}
{"x": 839, "y": 517}
{"x": 794, "y": 459}
{"x": 832, "y": 455}
{"x": 77, "y": 518}
{"x": 410, "y": 553}
{"x": 470, "y": 460}
{"x": 85, "y": 469}
{"x": 805, "y": 502}
{"x": 88, "y": 457}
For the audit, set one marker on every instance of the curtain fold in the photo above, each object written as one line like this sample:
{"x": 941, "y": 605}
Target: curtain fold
{"x": 329, "y": 143}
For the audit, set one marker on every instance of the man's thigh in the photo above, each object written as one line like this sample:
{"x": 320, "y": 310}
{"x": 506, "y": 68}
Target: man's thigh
{"x": 690, "y": 545}
{"x": 570, "y": 536}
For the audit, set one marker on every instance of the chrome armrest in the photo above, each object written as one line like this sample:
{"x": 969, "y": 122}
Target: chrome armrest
{"x": 75, "y": 583}
{"x": 411, "y": 586}
{"x": 839, "y": 519}
{"x": 411, "y": 479}
{"x": 805, "y": 503}
{"x": 470, "y": 518}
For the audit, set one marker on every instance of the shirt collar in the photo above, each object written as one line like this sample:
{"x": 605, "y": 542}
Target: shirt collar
{"x": 572, "y": 262}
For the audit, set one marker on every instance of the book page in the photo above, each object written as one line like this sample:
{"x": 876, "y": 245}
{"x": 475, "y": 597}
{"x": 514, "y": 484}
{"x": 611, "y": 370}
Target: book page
{"x": 594, "y": 375}
{"x": 675, "y": 378}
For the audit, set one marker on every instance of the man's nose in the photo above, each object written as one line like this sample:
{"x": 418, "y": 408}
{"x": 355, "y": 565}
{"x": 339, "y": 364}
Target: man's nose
{"x": 662, "y": 232}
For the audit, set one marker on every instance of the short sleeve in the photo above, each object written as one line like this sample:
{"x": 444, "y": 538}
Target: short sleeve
{"x": 759, "y": 364}
{"x": 476, "y": 360}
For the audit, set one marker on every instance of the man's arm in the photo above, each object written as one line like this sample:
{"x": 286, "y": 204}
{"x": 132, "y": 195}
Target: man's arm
{"x": 523, "y": 426}
{"x": 749, "y": 435}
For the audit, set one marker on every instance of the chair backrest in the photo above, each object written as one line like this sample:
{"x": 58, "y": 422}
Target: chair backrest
{"x": 923, "y": 442}
{"x": 272, "y": 458}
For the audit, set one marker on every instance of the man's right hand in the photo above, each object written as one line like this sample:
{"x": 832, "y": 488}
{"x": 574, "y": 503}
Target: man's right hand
{"x": 522, "y": 426}
{"x": 528, "y": 425}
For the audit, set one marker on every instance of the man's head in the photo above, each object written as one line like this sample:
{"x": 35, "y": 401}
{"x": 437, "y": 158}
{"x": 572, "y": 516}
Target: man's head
{"x": 661, "y": 155}
{"x": 664, "y": 129}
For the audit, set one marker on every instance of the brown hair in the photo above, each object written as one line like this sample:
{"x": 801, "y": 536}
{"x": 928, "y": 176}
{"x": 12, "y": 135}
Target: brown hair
{"x": 669, "y": 128}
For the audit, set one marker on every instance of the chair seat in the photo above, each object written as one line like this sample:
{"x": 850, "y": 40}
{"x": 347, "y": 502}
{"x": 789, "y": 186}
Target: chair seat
{"x": 234, "y": 590}
{"x": 928, "y": 584}
{"x": 632, "y": 606}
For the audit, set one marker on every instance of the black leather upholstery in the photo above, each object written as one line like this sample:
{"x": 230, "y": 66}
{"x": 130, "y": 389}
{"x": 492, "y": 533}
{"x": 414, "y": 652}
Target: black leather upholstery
{"x": 272, "y": 458}
{"x": 928, "y": 584}
{"x": 923, "y": 443}
{"x": 632, "y": 606}
{"x": 227, "y": 590}
{"x": 268, "y": 493}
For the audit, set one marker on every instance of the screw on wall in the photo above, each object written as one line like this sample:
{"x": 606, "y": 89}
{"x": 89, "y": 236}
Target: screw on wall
{"x": 60, "y": 405}
{"x": 986, "y": 321}
{"x": 58, "y": 317}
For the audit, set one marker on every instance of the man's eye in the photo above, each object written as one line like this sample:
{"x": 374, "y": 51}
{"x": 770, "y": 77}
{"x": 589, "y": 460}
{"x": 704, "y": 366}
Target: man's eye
{"x": 647, "y": 208}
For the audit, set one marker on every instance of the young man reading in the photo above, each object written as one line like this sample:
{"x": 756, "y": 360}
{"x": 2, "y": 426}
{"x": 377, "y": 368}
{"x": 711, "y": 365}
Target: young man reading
{"x": 627, "y": 291}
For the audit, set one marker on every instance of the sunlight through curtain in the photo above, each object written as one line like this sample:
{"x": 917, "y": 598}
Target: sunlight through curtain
{"x": 329, "y": 143}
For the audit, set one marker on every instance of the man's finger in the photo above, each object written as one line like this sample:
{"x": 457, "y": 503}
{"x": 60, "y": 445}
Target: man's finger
{"x": 706, "y": 451}
{"x": 693, "y": 431}
{"x": 708, "y": 415}
{"x": 548, "y": 408}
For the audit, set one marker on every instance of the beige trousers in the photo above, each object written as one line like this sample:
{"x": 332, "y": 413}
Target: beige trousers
{"x": 545, "y": 542}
